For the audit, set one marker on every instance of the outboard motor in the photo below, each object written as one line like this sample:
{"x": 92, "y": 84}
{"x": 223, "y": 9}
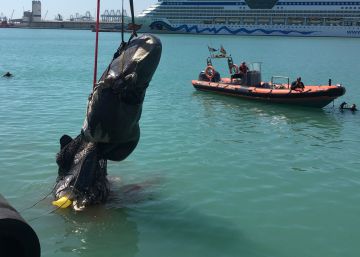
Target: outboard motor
{"x": 17, "y": 238}
{"x": 253, "y": 78}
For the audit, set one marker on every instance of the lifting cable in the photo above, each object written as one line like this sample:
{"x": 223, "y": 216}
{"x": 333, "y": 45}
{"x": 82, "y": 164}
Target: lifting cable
{"x": 123, "y": 44}
{"x": 96, "y": 42}
{"x": 132, "y": 20}
{"x": 122, "y": 22}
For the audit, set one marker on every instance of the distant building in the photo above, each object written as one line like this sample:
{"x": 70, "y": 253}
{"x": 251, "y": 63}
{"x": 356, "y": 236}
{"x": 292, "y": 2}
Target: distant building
{"x": 27, "y": 16}
{"x": 34, "y": 15}
{"x": 36, "y": 11}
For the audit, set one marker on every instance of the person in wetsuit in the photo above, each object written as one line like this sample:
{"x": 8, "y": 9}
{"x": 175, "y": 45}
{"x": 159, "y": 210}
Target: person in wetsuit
{"x": 7, "y": 75}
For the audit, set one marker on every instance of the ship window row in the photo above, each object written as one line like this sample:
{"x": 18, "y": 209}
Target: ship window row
{"x": 185, "y": 10}
{"x": 239, "y": 10}
{"x": 217, "y": 8}
{"x": 232, "y": 3}
{"x": 192, "y": 7}
{"x": 341, "y": 7}
{"x": 257, "y": 11}
{"x": 259, "y": 17}
{"x": 262, "y": 17}
{"x": 203, "y": 3}
{"x": 319, "y": 3}
{"x": 162, "y": 12}
{"x": 349, "y": 7}
{"x": 274, "y": 16}
{"x": 254, "y": 21}
{"x": 277, "y": 17}
{"x": 259, "y": 14}
{"x": 274, "y": 19}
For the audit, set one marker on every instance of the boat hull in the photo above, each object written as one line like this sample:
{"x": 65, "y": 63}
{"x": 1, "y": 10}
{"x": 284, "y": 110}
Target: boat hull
{"x": 312, "y": 96}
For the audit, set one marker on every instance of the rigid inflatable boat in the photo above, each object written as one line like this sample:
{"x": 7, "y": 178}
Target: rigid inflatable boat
{"x": 248, "y": 84}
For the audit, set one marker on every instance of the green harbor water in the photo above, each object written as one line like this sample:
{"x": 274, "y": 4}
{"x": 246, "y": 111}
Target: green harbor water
{"x": 218, "y": 176}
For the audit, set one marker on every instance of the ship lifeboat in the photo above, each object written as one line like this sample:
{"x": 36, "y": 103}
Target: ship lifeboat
{"x": 250, "y": 86}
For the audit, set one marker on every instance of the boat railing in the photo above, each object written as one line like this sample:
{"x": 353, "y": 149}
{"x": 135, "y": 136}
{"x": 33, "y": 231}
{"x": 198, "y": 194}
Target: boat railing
{"x": 275, "y": 81}
{"x": 255, "y": 66}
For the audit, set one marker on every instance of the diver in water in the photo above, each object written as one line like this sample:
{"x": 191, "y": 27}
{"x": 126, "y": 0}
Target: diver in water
{"x": 7, "y": 75}
{"x": 344, "y": 106}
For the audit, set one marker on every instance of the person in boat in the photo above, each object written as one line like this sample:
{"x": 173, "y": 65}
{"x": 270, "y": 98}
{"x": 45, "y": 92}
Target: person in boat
{"x": 215, "y": 78}
{"x": 7, "y": 75}
{"x": 243, "y": 68}
{"x": 297, "y": 84}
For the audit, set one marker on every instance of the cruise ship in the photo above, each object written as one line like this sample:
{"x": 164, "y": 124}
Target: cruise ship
{"x": 339, "y": 18}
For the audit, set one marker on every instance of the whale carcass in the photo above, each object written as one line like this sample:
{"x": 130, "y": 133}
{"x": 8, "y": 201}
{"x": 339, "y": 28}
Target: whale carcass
{"x": 111, "y": 128}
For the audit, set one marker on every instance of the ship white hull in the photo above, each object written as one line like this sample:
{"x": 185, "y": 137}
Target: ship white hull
{"x": 252, "y": 30}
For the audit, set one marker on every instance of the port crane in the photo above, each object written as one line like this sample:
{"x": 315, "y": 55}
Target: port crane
{"x": 46, "y": 14}
{"x": 12, "y": 14}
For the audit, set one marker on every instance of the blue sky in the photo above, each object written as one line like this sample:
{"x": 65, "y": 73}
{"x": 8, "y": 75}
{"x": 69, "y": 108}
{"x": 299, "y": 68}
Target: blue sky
{"x": 68, "y": 7}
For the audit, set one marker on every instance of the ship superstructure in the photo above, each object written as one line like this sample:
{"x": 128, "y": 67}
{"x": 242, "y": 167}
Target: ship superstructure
{"x": 254, "y": 17}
